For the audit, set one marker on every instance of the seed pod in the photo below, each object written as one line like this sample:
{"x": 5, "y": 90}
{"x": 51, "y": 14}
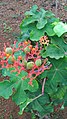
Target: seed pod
{"x": 8, "y": 50}
{"x": 38, "y": 62}
{"x": 30, "y": 65}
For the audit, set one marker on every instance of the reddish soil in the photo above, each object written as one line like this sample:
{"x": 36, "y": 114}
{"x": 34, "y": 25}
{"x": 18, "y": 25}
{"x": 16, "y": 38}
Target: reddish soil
{"x": 11, "y": 15}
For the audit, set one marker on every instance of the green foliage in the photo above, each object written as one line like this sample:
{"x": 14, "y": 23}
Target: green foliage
{"x": 60, "y": 28}
{"x": 41, "y": 97}
{"x": 41, "y": 22}
{"x": 58, "y": 71}
{"x": 6, "y": 86}
{"x": 57, "y": 49}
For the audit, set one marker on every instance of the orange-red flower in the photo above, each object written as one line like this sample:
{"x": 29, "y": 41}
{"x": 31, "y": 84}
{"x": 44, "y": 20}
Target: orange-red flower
{"x": 44, "y": 40}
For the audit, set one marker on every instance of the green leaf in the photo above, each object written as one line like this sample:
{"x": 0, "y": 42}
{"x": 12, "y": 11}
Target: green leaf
{"x": 28, "y": 21}
{"x": 39, "y": 17}
{"x": 6, "y": 89}
{"x": 43, "y": 99}
{"x": 41, "y": 23}
{"x": 49, "y": 30}
{"x": 42, "y": 109}
{"x": 7, "y": 72}
{"x": 42, "y": 13}
{"x": 22, "y": 74}
{"x": 33, "y": 30}
{"x": 60, "y": 43}
{"x": 60, "y": 29}
{"x": 36, "y": 34}
{"x": 20, "y": 96}
{"x": 60, "y": 92}
{"x": 58, "y": 71}
{"x": 34, "y": 86}
{"x": 39, "y": 103}
{"x": 53, "y": 51}
{"x": 49, "y": 14}
{"x": 32, "y": 10}
{"x": 27, "y": 28}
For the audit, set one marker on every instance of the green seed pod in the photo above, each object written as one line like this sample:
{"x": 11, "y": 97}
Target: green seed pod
{"x": 8, "y": 50}
{"x": 26, "y": 49}
{"x": 38, "y": 62}
{"x": 30, "y": 65}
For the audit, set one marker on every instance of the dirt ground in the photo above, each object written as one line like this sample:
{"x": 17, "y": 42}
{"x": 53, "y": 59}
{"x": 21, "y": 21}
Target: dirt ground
{"x": 11, "y": 15}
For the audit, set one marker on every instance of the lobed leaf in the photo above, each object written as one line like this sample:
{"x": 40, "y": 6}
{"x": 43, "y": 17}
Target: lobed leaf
{"x": 60, "y": 29}
{"x": 53, "y": 51}
{"x": 6, "y": 89}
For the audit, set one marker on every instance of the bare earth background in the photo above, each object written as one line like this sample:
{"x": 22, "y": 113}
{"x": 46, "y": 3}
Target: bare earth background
{"x": 11, "y": 15}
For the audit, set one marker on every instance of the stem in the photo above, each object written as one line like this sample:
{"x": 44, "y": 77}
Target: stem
{"x": 42, "y": 90}
{"x": 36, "y": 97}
{"x": 43, "y": 86}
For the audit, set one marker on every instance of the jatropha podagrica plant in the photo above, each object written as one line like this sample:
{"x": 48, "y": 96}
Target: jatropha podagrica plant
{"x": 30, "y": 62}
{"x": 34, "y": 68}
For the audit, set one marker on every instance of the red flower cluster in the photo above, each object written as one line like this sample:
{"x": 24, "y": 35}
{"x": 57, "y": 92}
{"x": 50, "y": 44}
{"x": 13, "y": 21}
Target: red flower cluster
{"x": 31, "y": 62}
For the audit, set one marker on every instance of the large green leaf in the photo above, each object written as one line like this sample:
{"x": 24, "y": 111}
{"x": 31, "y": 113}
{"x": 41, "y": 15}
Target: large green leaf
{"x": 60, "y": 43}
{"x": 56, "y": 85}
{"x": 60, "y": 29}
{"x": 53, "y": 51}
{"x": 20, "y": 96}
{"x": 6, "y": 89}
{"x": 39, "y": 17}
{"x": 58, "y": 71}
